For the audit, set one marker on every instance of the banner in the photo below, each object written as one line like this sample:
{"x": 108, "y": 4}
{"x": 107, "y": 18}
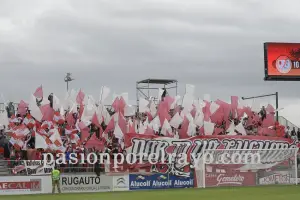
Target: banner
{"x": 121, "y": 183}
{"x": 159, "y": 181}
{"x": 18, "y": 185}
{"x": 145, "y": 144}
{"x": 34, "y": 167}
{"x": 230, "y": 179}
{"x": 37, "y": 167}
{"x": 85, "y": 183}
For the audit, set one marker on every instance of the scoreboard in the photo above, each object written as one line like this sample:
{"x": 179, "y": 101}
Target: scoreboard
{"x": 282, "y": 61}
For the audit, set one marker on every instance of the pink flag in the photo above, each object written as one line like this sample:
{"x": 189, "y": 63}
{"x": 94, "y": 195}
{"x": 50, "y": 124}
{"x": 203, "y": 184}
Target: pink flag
{"x": 240, "y": 112}
{"x": 82, "y": 125}
{"x": 234, "y": 106}
{"x": 48, "y": 112}
{"x": 110, "y": 125}
{"x": 218, "y": 116}
{"x": 248, "y": 111}
{"x": 80, "y": 97}
{"x": 163, "y": 112}
{"x": 260, "y": 131}
{"x": 234, "y": 102}
{"x": 95, "y": 142}
{"x": 226, "y": 108}
{"x": 218, "y": 131}
{"x": 115, "y": 104}
{"x": 270, "y": 109}
{"x": 169, "y": 100}
{"x": 119, "y": 105}
{"x": 122, "y": 105}
{"x": 220, "y": 102}
{"x": 201, "y": 130}
{"x": 39, "y": 92}
{"x": 70, "y": 119}
{"x": 84, "y": 134}
{"x": 149, "y": 131}
{"x": 269, "y": 121}
{"x": 122, "y": 123}
{"x": 95, "y": 120}
{"x": 100, "y": 132}
{"x": 22, "y": 108}
{"x": 256, "y": 117}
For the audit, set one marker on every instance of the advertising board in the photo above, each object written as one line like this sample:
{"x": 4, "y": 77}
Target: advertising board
{"x": 230, "y": 179}
{"x": 121, "y": 183}
{"x": 18, "y": 185}
{"x": 159, "y": 181}
{"x": 85, "y": 183}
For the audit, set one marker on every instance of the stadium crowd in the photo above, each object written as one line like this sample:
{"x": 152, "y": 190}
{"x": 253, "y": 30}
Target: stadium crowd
{"x": 85, "y": 126}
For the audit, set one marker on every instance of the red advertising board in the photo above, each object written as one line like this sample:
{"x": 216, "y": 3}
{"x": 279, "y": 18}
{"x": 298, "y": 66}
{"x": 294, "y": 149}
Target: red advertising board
{"x": 282, "y": 61}
{"x": 32, "y": 185}
{"x": 17, "y": 185}
{"x": 230, "y": 179}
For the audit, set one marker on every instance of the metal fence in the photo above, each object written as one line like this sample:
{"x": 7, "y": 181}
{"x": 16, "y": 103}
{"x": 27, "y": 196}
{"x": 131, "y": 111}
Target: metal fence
{"x": 283, "y": 121}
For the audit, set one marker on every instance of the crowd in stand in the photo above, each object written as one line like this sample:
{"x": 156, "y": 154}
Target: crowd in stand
{"x": 89, "y": 127}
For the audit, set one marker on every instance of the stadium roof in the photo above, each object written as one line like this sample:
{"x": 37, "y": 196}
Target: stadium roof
{"x": 158, "y": 81}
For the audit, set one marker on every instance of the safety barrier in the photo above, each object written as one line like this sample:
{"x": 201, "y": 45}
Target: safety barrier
{"x": 36, "y": 167}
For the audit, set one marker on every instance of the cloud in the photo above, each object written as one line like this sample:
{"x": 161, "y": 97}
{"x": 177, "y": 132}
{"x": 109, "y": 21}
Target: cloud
{"x": 216, "y": 45}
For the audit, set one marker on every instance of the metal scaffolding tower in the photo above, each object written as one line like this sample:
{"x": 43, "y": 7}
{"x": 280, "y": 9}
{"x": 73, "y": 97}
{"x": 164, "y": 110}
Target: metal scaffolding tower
{"x": 146, "y": 88}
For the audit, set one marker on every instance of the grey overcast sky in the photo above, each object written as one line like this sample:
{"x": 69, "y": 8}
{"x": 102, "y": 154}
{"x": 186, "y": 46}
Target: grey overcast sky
{"x": 217, "y": 45}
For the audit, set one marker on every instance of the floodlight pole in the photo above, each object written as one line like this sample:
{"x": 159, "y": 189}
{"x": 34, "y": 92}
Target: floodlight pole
{"x": 267, "y": 95}
{"x": 68, "y": 79}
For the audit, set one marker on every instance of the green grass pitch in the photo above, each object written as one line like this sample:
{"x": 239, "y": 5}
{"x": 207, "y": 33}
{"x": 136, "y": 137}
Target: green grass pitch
{"x": 235, "y": 193}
